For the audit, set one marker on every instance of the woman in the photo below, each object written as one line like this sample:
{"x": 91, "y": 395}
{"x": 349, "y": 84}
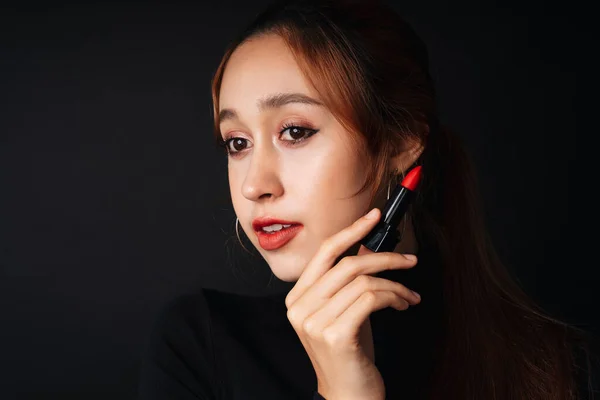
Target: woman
{"x": 322, "y": 106}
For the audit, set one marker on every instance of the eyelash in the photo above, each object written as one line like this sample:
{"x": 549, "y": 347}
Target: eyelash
{"x": 224, "y": 143}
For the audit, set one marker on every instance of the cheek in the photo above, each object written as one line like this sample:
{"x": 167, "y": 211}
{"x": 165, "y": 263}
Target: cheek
{"x": 326, "y": 186}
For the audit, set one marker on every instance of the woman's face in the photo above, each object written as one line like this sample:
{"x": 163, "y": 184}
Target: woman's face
{"x": 306, "y": 177}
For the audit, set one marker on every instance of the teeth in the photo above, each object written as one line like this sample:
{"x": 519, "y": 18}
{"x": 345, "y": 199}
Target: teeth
{"x": 275, "y": 227}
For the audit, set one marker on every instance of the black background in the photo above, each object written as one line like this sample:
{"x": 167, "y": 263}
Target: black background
{"x": 113, "y": 198}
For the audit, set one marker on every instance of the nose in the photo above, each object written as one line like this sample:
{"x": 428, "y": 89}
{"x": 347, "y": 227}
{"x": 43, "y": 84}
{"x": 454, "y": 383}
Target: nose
{"x": 262, "y": 179}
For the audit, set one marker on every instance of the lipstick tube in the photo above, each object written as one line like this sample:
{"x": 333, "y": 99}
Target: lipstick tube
{"x": 385, "y": 236}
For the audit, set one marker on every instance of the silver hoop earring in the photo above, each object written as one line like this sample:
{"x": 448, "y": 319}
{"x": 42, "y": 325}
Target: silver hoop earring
{"x": 395, "y": 179}
{"x": 237, "y": 233}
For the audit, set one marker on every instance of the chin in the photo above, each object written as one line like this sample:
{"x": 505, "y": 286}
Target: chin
{"x": 286, "y": 268}
{"x": 286, "y": 275}
{"x": 288, "y": 262}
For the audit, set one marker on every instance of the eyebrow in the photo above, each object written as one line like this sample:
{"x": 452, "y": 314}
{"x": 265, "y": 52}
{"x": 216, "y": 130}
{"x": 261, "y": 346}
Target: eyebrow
{"x": 270, "y": 102}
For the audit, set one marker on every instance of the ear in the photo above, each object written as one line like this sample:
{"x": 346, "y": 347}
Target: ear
{"x": 413, "y": 147}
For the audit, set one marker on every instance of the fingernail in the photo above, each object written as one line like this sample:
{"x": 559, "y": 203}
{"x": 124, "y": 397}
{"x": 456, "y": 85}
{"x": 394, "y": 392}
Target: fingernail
{"x": 416, "y": 294}
{"x": 371, "y": 214}
{"x": 411, "y": 257}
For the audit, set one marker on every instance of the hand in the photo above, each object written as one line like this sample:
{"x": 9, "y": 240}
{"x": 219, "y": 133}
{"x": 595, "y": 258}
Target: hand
{"x": 328, "y": 307}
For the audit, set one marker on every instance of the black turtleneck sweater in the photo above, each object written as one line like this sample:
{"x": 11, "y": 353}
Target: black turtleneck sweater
{"x": 216, "y": 345}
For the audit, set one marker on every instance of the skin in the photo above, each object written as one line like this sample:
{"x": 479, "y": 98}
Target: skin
{"x": 312, "y": 183}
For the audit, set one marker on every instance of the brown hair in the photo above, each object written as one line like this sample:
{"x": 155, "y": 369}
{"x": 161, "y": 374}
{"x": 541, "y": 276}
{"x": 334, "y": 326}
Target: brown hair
{"x": 372, "y": 72}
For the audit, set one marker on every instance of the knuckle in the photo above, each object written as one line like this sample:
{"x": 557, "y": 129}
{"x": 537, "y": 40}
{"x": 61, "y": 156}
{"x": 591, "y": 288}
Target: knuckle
{"x": 347, "y": 263}
{"x": 309, "y": 328}
{"x": 369, "y": 297}
{"x": 293, "y": 316}
{"x": 334, "y": 338}
{"x": 288, "y": 300}
{"x": 356, "y": 268}
{"x": 343, "y": 263}
{"x": 363, "y": 282}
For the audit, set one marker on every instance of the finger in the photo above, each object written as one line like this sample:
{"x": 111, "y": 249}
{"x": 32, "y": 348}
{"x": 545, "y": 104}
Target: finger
{"x": 346, "y": 327}
{"x": 348, "y": 270}
{"x": 367, "y": 264}
{"x": 363, "y": 250}
{"x": 349, "y": 294}
{"x": 329, "y": 250}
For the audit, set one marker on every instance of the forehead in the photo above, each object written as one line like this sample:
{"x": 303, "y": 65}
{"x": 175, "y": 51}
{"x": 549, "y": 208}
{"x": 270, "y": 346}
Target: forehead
{"x": 258, "y": 68}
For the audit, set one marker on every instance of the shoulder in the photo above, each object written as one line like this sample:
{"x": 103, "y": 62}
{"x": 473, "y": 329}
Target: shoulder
{"x": 178, "y": 357}
{"x": 188, "y": 310}
{"x": 184, "y": 322}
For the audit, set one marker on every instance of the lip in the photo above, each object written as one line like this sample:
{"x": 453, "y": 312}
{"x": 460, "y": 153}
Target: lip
{"x": 260, "y": 222}
{"x": 276, "y": 240}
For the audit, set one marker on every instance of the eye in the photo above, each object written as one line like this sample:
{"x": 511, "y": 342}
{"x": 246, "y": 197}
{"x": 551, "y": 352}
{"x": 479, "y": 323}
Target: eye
{"x": 297, "y": 133}
{"x": 234, "y": 145}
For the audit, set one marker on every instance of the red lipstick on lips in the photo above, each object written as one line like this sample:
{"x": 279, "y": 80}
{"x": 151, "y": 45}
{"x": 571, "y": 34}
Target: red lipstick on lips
{"x": 276, "y": 239}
